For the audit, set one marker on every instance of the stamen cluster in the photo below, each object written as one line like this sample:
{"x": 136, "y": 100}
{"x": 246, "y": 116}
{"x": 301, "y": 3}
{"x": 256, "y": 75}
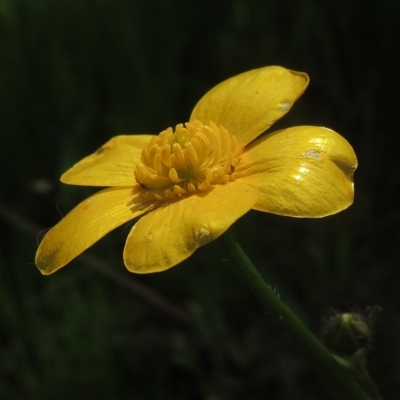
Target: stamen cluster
{"x": 192, "y": 158}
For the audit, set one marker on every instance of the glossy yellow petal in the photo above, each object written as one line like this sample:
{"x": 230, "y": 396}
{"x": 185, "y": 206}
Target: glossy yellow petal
{"x": 111, "y": 165}
{"x": 250, "y": 103}
{"x": 86, "y": 224}
{"x": 171, "y": 233}
{"x": 304, "y": 171}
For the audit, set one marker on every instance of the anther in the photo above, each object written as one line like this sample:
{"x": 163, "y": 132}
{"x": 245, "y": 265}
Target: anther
{"x": 177, "y": 150}
{"x": 191, "y": 188}
{"x": 209, "y": 175}
{"x": 191, "y": 158}
{"x": 173, "y": 175}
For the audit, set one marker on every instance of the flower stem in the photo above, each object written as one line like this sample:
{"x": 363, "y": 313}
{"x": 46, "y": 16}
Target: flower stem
{"x": 275, "y": 305}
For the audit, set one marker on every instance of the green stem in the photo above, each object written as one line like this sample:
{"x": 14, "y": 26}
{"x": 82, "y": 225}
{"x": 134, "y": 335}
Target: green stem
{"x": 275, "y": 305}
{"x": 356, "y": 365}
{"x": 367, "y": 382}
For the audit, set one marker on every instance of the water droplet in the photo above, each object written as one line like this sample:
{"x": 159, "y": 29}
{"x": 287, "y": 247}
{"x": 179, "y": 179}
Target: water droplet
{"x": 284, "y": 106}
{"x": 203, "y": 235}
{"x": 312, "y": 153}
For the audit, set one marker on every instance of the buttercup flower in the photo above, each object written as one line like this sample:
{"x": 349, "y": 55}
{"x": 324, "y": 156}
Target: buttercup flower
{"x": 189, "y": 185}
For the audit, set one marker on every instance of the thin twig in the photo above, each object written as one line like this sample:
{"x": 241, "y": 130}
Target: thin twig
{"x": 102, "y": 267}
{"x": 274, "y": 304}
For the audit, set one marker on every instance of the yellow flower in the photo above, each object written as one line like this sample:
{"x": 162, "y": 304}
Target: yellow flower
{"x": 189, "y": 185}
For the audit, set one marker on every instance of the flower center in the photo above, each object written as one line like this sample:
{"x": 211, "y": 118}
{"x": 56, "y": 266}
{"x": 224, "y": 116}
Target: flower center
{"x": 191, "y": 159}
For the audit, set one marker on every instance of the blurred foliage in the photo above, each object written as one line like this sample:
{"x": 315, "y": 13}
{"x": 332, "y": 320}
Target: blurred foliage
{"x": 75, "y": 73}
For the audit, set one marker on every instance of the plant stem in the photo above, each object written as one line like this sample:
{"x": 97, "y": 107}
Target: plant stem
{"x": 275, "y": 305}
{"x": 367, "y": 382}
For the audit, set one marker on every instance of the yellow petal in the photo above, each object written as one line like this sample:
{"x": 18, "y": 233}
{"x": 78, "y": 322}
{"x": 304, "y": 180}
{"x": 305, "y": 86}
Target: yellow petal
{"x": 305, "y": 171}
{"x": 111, "y": 165}
{"x": 250, "y": 103}
{"x": 171, "y": 233}
{"x": 86, "y": 224}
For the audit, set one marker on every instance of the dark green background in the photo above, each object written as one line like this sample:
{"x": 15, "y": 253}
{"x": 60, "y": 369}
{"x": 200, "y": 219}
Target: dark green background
{"x": 74, "y": 73}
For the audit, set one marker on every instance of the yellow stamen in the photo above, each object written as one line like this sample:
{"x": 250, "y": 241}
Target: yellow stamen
{"x": 192, "y": 158}
{"x": 173, "y": 175}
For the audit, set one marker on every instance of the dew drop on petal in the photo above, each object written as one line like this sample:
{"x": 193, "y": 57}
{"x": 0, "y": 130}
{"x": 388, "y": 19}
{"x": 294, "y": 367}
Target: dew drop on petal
{"x": 204, "y": 235}
{"x": 312, "y": 153}
{"x": 284, "y": 106}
